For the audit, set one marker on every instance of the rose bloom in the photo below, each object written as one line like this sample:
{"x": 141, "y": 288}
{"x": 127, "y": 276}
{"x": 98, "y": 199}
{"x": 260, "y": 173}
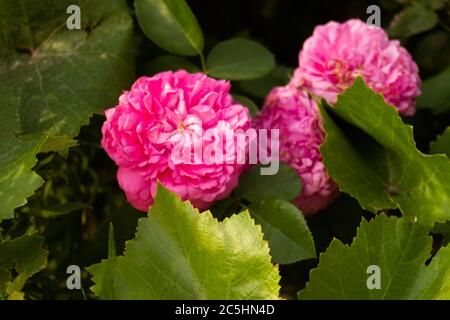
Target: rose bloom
{"x": 301, "y": 132}
{"x": 157, "y": 119}
{"x": 337, "y": 53}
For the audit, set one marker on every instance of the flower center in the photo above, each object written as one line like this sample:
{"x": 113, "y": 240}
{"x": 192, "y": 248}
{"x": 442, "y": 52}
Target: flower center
{"x": 341, "y": 73}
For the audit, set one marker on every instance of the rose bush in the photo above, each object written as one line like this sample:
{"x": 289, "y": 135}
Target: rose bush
{"x": 122, "y": 175}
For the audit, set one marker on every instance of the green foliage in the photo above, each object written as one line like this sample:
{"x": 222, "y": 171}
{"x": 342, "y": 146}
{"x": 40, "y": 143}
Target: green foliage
{"x": 107, "y": 285}
{"x": 60, "y": 198}
{"x": 171, "y": 25}
{"x": 442, "y": 143}
{"x": 261, "y": 87}
{"x": 58, "y": 144}
{"x": 385, "y": 170}
{"x": 442, "y": 229}
{"x": 239, "y": 59}
{"x": 432, "y": 4}
{"x": 25, "y": 256}
{"x": 179, "y": 253}
{"x": 412, "y": 20}
{"x": 17, "y": 180}
{"x": 285, "y": 184}
{"x": 17, "y": 157}
{"x": 285, "y": 228}
{"x": 399, "y": 248}
{"x": 53, "y": 211}
{"x": 436, "y": 93}
{"x": 64, "y": 76}
{"x": 282, "y": 223}
{"x": 168, "y": 62}
{"x": 253, "y": 109}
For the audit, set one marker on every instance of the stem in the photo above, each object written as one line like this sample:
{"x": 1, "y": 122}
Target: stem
{"x": 238, "y": 202}
{"x": 202, "y": 60}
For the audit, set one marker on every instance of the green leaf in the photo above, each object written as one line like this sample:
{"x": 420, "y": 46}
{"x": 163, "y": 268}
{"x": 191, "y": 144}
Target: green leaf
{"x": 17, "y": 157}
{"x": 384, "y": 170}
{"x": 58, "y": 144}
{"x": 26, "y": 256}
{"x": 125, "y": 220}
{"x": 58, "y": 210}
{"x": 64, "y": 76}
{"x": 165, "y": 63}
{"x": 433, "y": 4}
{"x": 9, "y": 118}
{"x": 436, "y": 93}
{"x": 428, "y": 55}
{"x": 286, "y": 230}
{"x": 239, "y": 59}
{"x": 261, "y": 87}
{"x": 179, "y": 253}
{"x": 17, "y": 180}
{"x": 400, "y": 249}
{"x": 286, "y": 184}
{"x": 107, "y": 287}
{"x": 5, "y": 276}
{"x": 171, "y": 25}
{"x": 442, "y": 144}
{"x": 251, "y": 106}
{"x": 413, "y": 20}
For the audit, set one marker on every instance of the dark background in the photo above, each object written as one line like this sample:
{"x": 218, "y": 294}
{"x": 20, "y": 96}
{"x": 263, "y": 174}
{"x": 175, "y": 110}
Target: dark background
{"x": 283, "y": 25}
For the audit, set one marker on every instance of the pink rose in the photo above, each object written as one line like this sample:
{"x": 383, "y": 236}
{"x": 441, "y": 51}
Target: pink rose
{"x": 337, "y": 53}
{"x": 153, "y": 132}
{"x": 298, "y": 118}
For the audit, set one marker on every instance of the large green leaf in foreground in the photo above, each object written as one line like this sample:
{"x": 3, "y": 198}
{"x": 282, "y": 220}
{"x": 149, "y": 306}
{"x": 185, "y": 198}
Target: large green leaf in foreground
{"x": 386, "y": 170}
{"x": 25, "y": 256}
{"x": 399, "y": 248}
{"x": 17, "y": 157}
{"x": 179, "y": 253}
{"x": 64, "y": 76}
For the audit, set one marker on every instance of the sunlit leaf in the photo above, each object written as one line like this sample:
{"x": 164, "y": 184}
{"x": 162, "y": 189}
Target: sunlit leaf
{"x": 179, "y": 253}
{"x": 384, "y": 169}
{"x": 398, "y": 249}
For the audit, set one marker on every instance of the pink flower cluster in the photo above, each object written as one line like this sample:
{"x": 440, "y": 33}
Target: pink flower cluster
{"x": 298, "y": 118}
{"x": 161, "y": 113}
{"x": 337, "y": 53}
{"x": 154, "y": 117}
{"x": 329, "y": 62}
